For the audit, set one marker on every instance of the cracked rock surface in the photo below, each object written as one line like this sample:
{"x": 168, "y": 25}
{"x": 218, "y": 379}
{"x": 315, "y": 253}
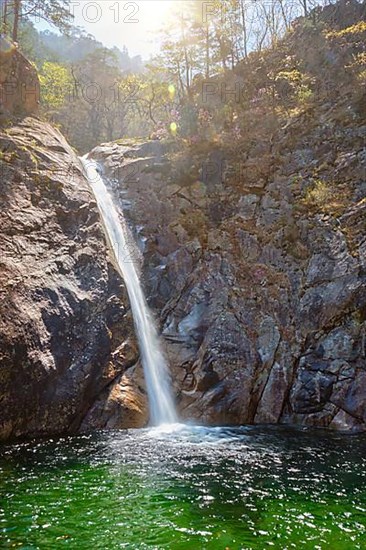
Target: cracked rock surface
{"x": 261, "y": 301}
{"x": 66, "y": 333}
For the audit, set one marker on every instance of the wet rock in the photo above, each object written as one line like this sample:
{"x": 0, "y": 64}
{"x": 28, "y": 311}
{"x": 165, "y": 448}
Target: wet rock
{"x": 354, "y": 401}
{"x": 344, "y": 422}
{"x": 272, "y": 400}
{"x": 123, "y": 404}
{"x": 252, "y": 256}
{"x": 312, "y": 390}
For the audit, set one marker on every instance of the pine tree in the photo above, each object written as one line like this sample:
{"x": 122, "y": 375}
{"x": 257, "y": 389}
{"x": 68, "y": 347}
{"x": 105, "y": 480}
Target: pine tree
{"x": 55, "y": 12}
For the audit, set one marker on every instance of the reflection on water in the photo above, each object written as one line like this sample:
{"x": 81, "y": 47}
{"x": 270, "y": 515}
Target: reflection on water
{"x": 186, "y": 487}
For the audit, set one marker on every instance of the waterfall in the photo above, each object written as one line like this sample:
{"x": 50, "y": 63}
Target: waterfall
{"x": 162, "y": 409}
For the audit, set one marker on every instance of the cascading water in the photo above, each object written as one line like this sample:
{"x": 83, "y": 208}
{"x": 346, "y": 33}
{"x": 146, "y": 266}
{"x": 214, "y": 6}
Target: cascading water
{"x": 162, "y": 409}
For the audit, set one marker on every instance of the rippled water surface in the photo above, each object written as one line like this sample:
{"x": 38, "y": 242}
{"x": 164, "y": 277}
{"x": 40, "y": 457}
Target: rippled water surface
{"x": 187, "y": 488}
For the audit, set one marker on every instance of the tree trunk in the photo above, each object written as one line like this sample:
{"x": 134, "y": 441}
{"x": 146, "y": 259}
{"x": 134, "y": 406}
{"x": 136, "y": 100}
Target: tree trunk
{"x": 17, "y": 13}
{"x": 4, "y": 17}
{"x": 207, "y": 51}
{"x": 283, "y": 11}
{"x": 244, "y": 24}
{"x": 305, "y": 6}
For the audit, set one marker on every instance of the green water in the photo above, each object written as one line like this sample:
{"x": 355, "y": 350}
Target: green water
{"x": 244, "y": 488}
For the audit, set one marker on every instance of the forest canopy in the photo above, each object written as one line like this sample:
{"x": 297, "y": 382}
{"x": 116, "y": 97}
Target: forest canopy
{"x": 96, "y": 94}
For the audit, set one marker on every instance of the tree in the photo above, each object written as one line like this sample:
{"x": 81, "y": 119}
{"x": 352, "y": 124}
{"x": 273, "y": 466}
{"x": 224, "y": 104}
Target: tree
{"x": 55, "y": 12}
{"x": 56, "y": 83}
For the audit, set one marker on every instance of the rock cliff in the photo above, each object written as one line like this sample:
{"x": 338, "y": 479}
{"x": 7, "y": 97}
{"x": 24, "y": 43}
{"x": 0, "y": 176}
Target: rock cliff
{"x": 66, "y": 333}
{"x": 262, "y": 304}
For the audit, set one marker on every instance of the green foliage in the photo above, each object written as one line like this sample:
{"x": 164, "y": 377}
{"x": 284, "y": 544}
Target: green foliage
{"x": 55, "y": 12}
{"x": 96, "y": 94}
{"x": 294, "y": 77}
{"x": 297, "y": 83}
{"x": 304, "y": 93}
{"x": 358, "y": 28}
{"x": 318, "y": 195}
{"x": 358, "y": 67}
{"x": 15, "y": 12}
{"x": 56, "y": 85}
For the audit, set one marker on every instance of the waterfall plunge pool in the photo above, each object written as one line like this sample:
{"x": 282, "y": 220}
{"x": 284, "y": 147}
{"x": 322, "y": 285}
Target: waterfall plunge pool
{"x": 186, "y": 487}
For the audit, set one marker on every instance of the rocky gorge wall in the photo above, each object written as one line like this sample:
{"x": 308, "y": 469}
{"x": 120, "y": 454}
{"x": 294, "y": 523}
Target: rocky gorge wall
{"x": 261, "y": 303}
{"x": 66, "y": 334}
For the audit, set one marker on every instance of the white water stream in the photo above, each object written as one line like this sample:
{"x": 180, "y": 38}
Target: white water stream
{"x": 162, "y": 409}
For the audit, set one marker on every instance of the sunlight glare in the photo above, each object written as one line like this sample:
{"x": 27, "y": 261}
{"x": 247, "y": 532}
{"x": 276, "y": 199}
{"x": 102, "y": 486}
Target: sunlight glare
{"x": 154, "y": 13}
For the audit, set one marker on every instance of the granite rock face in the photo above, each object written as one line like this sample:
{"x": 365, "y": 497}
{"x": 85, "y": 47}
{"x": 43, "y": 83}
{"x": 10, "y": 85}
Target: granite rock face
{"x": 66, "y": 333}
{"x": 261, "y": 300}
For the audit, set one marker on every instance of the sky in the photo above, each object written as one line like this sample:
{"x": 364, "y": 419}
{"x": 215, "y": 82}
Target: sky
{"x": 118, "y": 23}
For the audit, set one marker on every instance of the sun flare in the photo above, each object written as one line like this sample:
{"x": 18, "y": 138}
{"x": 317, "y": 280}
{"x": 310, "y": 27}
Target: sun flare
{"x": 153, "y": 14}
